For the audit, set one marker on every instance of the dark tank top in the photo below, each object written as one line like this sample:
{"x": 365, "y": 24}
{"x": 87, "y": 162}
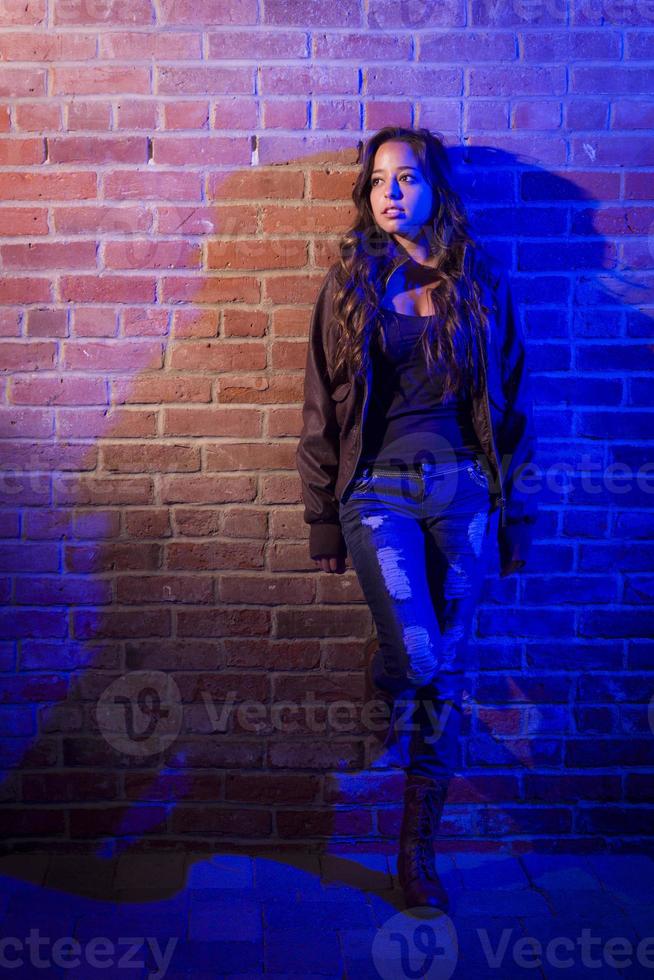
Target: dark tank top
{"x": 406, "y": 421}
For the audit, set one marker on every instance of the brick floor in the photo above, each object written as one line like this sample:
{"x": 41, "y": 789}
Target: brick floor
{"x": 331, "y": 915}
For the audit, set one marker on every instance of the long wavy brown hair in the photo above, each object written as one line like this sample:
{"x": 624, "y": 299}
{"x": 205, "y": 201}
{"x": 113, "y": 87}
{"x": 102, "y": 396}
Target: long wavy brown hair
{"x": 450, "y": 340}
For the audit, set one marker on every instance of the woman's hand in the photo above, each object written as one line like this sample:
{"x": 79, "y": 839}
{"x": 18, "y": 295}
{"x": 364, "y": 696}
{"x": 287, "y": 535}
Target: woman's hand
{"x": 331, "y": 563}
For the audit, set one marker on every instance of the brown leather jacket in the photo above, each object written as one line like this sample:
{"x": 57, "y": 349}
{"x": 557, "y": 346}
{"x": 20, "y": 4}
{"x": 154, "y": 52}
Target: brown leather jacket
{"x": 330, "y": 442}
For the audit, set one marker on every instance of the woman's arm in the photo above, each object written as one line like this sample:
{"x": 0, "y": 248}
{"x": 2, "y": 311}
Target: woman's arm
{"x": 516, "y": 438}
{"x": 317, "y": 454}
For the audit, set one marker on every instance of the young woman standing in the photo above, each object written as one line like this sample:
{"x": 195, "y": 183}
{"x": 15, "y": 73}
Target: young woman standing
{"x": 417, "y": 427}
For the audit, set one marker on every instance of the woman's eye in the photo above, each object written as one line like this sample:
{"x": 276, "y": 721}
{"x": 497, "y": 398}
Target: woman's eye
{"x": 374, "y": 180}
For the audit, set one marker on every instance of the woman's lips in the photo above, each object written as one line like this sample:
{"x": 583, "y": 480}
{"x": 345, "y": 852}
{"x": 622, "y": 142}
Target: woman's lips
{"x": 393, "y": 212}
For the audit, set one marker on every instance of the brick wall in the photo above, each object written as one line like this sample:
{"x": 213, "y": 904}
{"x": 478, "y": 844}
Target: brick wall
{"x": 173, "y": 179}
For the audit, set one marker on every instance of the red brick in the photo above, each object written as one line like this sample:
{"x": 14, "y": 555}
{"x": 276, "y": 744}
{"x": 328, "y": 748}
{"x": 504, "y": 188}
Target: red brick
{"x": 336, "y": 114}
{"x": 152, "y": 254}
{"x": 245, "y": 522}
{"x": 60, "y": 590}
{"x": 103, "y": 490}
{"x": 316, "y": 14}
{"x": 145, "y": 322}
{"x": 121, "y": 355}
{"x": 202, "y": 150}
{"x": 96, "y": 524}
{"x": 22, "y": 12}
{"x": 99, "y": 12}
{"x": 121, "y": 624}
{"x": 35, "y": 117}
{"x": 23, "y": 221}
{"x": 88, "y": 116}
{"x": 47, "y": 323}
{"x": 101, "y": 218}
{"x": 212, "y": 421}
{"x": 93, "y": 149}
{"x": 93, "y": 423}
{"x": 289, "y": 115}
{"x": 150, "y": 523}
{"x": 132, "y": 589}
{"x": 195, "y": 323}
{"x": 112, "y": 821}
{"x": 156, "y": 389}
{"x": 58, "y": 391}
{"x": 235, "y": 113}
{"x": 158, "y": 186}
{"x": 21, "y": 152}
{"x": 22, "y": 82}
{"x": 123, "y": 458}
{"x": 107, "y": 289}
{"x": 99, "y": 80}
{"x": 10, "y": 326}
{"x": 26, "y": 356}
{"x": 217, "y": 356}
{"x": 31, "y": 822}
{"x": 69, "y": 787}
{"x": 253, "y": 44}
{"x": 190, "y": 556}
{"x": 157, "y": 45}
{"x": 26, "y": 422}
{"x": 272, "y": 788}
{"x": 19, "y": 623}
{"x": 207, "y": 489}
{"x": 67, "y": 255}
{"x": 30, "y": 456}
{"x": 26, "y": 289}
{"x": 258, "y": 184}
{"x": 198, "y": 81}
{"x": 110, "y": 556}
{"x": 197, "y": 522}
{"x": 186, "y": 115}
{"x": 213, "y": 12}
{"x": 95, "y": 321}
{"x": 211, "y": 288}
{"x": 221, "y": 821}
{"x": 46, "y": 47}
{"x": 253, "y": 254}
{"x": 324, "y": 79}
{"x": 138, "y": 115}
{"x": 213, "y": 219}
{"x": 49, "y": 187}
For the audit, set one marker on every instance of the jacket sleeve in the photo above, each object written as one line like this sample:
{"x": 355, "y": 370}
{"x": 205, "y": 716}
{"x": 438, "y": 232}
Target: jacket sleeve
{"x": 317, "y": 454}
{"x": 516, "y": 437}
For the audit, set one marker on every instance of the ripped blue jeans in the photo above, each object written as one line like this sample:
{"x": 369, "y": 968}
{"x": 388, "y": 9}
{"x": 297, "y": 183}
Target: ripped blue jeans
{"x": 418, "y": 537}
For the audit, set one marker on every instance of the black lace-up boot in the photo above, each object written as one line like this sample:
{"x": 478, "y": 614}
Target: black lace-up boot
{"x": 424, "y": 800}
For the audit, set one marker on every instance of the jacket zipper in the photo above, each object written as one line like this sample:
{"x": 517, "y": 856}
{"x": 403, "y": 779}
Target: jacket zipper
{"x": 490, "y": 429}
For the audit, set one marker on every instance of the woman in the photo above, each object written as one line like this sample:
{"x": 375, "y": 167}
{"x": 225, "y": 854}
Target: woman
{"x": 417, "y": 425}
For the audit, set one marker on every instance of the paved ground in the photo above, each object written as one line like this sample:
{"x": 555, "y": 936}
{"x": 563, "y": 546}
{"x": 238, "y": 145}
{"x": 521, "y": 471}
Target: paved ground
{"x": 330, "y": 915}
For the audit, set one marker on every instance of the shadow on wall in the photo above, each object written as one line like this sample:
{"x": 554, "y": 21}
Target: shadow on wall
{"x": 178, "y": 660}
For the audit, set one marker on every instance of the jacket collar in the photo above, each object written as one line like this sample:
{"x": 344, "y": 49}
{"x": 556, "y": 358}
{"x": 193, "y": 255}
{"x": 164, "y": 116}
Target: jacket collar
{"x": 399, "y": 256}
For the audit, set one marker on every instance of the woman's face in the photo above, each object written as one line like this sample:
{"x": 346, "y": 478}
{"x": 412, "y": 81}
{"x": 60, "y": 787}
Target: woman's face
{"x": 398, "y": 183}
